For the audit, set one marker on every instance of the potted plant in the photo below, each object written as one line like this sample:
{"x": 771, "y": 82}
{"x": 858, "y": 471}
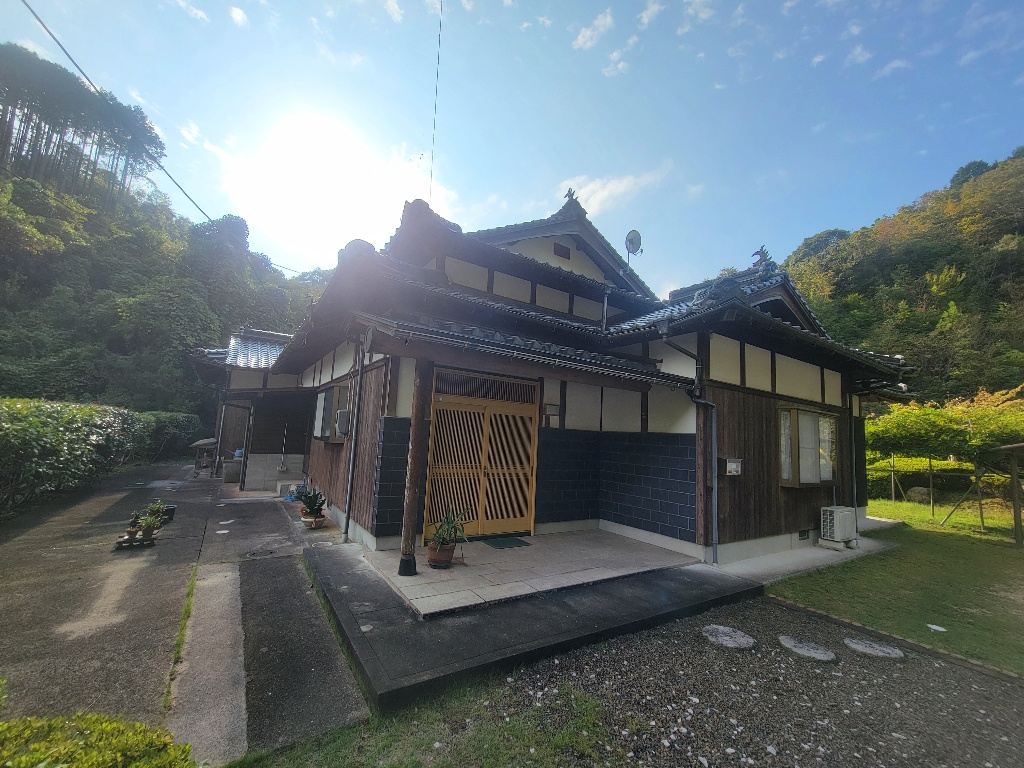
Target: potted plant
{"x": 133, "y": 526}
{"x": 148, "y": 523}
{"x": 448, "y": 530}
{"x": 164, "y": 511}
{"x": 312, "y": 508}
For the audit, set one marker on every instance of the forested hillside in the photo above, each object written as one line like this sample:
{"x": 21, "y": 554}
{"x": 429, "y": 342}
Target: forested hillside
{"x": 941, "y": 281}
{"x": 103, "y": 287}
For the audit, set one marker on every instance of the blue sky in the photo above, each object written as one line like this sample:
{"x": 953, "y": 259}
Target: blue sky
{"x": 712, "y": 127}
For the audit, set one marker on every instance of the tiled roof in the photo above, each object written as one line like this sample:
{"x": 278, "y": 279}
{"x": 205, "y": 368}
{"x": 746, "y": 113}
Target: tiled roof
{"x": 255, "y": 349}
{"x": 572, "y": 211}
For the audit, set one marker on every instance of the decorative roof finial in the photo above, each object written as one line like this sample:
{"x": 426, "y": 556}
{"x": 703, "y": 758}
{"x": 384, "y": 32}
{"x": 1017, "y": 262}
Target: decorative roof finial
{"x": 571, "y": 194}
{"x": 762, "y": 256}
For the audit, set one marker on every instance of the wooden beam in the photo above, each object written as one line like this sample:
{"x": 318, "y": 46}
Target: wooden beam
{"x": 1018, "y": 534}
{"x": 421, "y": 393}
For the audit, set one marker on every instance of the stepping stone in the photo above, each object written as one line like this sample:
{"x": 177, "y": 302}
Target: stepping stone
{"x": 807, "y": 649}
{"x": 727, "y": 637}
{"x": 873, "y": 648}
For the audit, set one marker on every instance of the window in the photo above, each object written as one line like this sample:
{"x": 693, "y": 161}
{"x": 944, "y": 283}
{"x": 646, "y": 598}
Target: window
{"x": 807, "y": 447}
{"x": 325, "y": 421}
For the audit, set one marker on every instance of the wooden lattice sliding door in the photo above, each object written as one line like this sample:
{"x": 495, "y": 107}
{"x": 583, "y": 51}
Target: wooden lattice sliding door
{"x": 482, "y": 457}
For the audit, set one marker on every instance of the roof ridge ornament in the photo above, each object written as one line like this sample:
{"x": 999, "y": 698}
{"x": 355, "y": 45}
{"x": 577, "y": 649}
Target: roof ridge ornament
{"x": 764, "y": 263}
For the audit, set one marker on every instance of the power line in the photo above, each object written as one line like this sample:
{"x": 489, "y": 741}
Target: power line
{"x": 98, "y": 93}
{"x": 437, "y": 77}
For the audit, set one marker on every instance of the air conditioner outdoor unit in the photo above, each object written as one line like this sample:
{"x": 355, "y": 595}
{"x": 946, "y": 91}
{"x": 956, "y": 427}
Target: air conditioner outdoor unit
{"x": 341, "y": 422}
{"x": 838, "y": 524}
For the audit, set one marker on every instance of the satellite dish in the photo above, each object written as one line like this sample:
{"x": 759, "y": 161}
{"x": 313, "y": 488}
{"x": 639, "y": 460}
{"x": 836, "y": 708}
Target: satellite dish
{"x": 633, "y": 244}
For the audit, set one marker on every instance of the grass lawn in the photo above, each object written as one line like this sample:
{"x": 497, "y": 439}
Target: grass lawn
{"x": 477, "y": 723}
{"x": 957, "y": 577}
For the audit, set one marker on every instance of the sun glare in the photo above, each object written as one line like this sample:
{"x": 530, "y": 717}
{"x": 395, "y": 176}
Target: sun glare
{"x": 312, "y": 183}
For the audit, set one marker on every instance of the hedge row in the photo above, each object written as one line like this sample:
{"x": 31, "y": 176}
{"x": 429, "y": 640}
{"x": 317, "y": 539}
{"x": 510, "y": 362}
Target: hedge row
{"x": 88, "y": 741}
{"x": 47, "y": 446}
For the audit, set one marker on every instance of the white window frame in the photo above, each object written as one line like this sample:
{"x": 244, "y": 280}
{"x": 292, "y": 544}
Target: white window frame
{"x": 808, "y": 443}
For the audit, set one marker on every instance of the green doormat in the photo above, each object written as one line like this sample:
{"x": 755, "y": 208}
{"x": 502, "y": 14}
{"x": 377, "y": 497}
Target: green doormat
{"x": 506, "y": 542}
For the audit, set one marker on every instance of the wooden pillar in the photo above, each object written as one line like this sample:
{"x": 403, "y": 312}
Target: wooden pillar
{"x": 1018, "y": 534}
{"x": 421, "y": 393}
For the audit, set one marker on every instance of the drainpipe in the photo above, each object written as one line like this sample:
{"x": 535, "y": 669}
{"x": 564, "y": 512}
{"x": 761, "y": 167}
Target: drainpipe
{"x": 853, "y": 466}
{"x": 352, "y": 441}
{"x": 604, "y": 312}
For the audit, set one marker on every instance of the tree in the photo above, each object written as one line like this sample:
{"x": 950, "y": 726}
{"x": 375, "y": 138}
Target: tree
{"x": 965, "y": 173}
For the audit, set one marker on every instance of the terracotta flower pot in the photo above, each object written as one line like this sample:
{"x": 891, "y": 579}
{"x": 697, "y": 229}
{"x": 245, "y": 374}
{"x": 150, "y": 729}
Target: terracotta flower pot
{"x": 131, "y": 532}
{"x": 440, "y": 555}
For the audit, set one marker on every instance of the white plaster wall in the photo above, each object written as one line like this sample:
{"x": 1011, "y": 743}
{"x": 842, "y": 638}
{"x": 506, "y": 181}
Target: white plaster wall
{"x": 406, "y": 377}
{"x": 856, "y": 405}
{"x": 542, "y": 249}
{"x": 464, "y": 273}
{"x": 587, "y": 309}
{"x": 552, "y": 391}
{"x": 512, "y": 287}
{"x": 550, "y": 298}
{"x": 582, "y": 407}
{"x": 833, "y": 387}
{"x": 621, "y": 411}
{"x": 796, "y": 378}
{"x": 759, "y": 368}
{"x": 725, "y": 359}
{"x": 282, "y": 380}
{"x": 676, "y": 362}
{"x": 246, "y": 378}
{"x": 306, "y": 378}
{"x": 670, "y": 411}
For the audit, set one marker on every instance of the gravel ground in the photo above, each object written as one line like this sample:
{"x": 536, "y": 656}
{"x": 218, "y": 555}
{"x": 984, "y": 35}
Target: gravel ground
{"x": 672, "y": 698}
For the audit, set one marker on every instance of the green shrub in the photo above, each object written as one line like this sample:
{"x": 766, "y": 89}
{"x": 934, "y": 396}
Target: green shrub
{"x": 88, "y": 741}
{"x": 48, "y": 446}
{"x": 170, "y": 433}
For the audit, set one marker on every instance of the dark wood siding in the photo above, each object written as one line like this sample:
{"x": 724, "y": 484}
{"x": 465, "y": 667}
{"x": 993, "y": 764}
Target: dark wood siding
{"x": 754, "y": 504}
{"x": 328, "y": 462}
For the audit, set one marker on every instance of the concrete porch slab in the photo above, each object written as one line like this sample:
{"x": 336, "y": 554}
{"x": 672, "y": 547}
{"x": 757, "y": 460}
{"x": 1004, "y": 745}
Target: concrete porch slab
{"x": 482, "y": 574}
{"x": 399, "y": 657}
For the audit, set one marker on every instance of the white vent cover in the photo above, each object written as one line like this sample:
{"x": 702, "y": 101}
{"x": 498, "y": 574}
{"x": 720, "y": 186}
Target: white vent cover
{"x": 838, "y": 523}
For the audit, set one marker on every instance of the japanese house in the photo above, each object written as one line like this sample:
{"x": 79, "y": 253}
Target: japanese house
{"x": 528, "y": 377}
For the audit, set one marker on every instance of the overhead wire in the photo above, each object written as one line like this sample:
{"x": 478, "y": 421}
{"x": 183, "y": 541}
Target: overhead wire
{"x": 437, "y": 78}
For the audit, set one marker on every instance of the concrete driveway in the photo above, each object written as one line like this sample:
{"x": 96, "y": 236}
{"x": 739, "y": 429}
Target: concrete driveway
{"x": 84, "y": 627}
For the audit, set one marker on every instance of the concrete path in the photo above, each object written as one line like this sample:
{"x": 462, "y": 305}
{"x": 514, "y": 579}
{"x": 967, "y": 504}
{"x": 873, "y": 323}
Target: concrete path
{"x": 85, "y": 627}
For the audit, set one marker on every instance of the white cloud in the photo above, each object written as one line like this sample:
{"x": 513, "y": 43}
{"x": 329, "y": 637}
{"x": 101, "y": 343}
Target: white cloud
{"x": 508, "y": 3}
{"x": 433, "y": 6}
{"x": 190, "y": 131}
{"x": 739, "y": 16}
{"x": 693, "y": 191}
{"x": 817, "y": 59}
{"x": 682, "y": 29}
{"x": 780, "y": 54}
{"x": 604, "y": 194}
{"x": 136, "y": 96}
{"x": 616, "y": 64}
{"x": 892, "y": 66}
{"x": 830, "y": 3}
{"x": 291, "y": 175}
{"x": 192, "y": 11}
{"x": 852, "y": 30}
{"x": 393, "y": 10}
{"x": 699, "y": 9}
{"x": 238, "y": 16}
{"x": 788, "y": 6}
{"x": 818, "y": 128}
{"x": 858, "y": 55}
{"x": 525, "y": 25}
{"x": 739, "y": 49}
{"x": 467, "y": 4}
{"x": 589, "y": 36}
{"x": 719, "y": 87}
{"x": 544, "y": 21}
{"x": 650, "y": 13}
{"x": 1019, "y": 80}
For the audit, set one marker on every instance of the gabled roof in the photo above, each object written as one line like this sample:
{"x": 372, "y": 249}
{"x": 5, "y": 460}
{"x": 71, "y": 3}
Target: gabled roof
{"x": 571, "y": 219}
{"x": 253, "y": 348}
